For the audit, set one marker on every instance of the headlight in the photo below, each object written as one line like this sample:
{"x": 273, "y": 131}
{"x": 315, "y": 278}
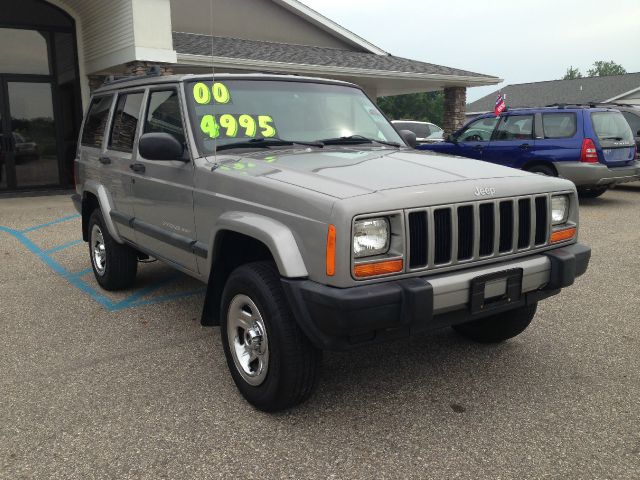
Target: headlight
{"x": 559, "y": 209}
{"x": 371, "y": 237}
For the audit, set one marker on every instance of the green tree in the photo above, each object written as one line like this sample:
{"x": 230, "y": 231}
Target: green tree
{"x": 572, "y": 73}
{"x": 426, "y": 106}
{"x": 603, "y": 69}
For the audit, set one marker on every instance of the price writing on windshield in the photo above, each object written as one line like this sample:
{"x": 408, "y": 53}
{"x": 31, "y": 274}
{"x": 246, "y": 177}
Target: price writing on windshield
{"x": 203, "y": 94}
{"x": 232, "y": 125}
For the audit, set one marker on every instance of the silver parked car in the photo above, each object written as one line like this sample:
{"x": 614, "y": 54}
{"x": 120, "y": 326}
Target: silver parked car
{"x": 426, "y": 132}
{"x": 312, "y": 222}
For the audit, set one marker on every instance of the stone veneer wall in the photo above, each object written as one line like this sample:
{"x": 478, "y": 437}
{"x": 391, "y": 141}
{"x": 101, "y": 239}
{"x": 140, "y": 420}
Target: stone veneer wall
{"x": 131, "y": 68}
{"x": 455, "y": 99}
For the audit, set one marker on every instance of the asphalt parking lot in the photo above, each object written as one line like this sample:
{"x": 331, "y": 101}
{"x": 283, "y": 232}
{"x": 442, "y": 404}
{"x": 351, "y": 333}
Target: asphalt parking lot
{"x": 96, "y": 385}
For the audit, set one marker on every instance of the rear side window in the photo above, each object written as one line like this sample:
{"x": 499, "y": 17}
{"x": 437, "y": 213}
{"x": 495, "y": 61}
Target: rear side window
{"x": 96, "y": 121}
{"x": 611, "y": 127}
{"x": 559, "y": 125}
{"x": 163, "y": 114}
{"x": 633, "y": 120}
{"x": 515, "y": 127}
{"x": 125, "y": 122}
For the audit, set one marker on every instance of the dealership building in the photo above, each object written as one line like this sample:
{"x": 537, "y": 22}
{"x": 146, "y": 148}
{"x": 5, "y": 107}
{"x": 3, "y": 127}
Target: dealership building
{"x": 53, "y": 53}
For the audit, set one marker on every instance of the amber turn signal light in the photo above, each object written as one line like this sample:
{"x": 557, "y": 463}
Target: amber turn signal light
{"x": 378, "y": 268}
{"x": 563, "y": 235}
{"x": 331, "y": 251}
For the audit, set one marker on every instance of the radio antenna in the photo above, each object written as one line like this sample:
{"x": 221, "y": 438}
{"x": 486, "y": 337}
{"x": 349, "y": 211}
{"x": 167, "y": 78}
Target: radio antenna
{"x": 213, "y": 81}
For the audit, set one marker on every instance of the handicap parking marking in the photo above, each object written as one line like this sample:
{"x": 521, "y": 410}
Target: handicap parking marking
{"x": 136, "y": 299}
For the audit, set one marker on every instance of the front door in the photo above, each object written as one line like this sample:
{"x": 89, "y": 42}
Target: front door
{"x": 163, "y": 190}
{"x": 29, "y": 149}
{"x": 473, "y": 140}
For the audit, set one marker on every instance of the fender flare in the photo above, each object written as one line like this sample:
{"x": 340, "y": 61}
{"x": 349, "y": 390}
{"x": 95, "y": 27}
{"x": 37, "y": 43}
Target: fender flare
{"x": 106, "y": 205}
{"x": 277, "y": 237}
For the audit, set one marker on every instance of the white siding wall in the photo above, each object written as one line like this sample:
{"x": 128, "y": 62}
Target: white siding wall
{"x": 105, "y": 30}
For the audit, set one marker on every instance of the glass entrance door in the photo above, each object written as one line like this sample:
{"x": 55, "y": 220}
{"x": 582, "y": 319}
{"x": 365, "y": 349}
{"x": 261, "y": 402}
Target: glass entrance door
{"x": 30, "y": 156}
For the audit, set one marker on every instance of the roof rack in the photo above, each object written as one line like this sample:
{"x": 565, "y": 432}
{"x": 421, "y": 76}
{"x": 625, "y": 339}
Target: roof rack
{"x": 152, "y": 71}
{"x": 582, "y": 105}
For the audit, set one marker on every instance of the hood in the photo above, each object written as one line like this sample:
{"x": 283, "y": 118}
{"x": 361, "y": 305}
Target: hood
{"x": 349, "y": 172}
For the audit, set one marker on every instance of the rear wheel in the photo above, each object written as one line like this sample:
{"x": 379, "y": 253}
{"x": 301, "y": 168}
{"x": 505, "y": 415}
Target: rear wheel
{"x": 593, "y": 192}
{"x": 541, "y": 169}
{"x": 500, "y": 327}
{"x": 114, "y": 265}
{"x": 272, "y": 362}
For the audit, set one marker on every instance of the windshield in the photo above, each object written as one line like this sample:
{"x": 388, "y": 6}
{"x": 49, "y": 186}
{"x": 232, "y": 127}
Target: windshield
{"x": 611, "y": 128}
{"x": 235, "y": 111}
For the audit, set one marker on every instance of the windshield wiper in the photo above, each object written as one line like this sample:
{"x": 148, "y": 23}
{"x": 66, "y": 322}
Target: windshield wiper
{"x": 261, "y": 142}
{"x": 356, "y": 140}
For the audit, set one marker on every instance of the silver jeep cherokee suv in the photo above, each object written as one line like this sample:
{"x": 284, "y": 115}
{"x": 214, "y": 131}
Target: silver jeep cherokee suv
{"x": 312, "y": 222}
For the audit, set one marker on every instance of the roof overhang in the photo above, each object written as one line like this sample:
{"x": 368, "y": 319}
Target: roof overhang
{"x": 383, "y": 81}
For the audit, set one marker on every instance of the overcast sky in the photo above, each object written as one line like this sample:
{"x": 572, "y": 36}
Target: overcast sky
{"x": 514, "y": 40}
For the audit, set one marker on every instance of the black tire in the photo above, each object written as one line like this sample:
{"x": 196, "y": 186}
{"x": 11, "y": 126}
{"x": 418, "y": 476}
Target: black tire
{"x": 120, "y": 265}
{"x": 293, "y": 362}
{"x": 542, "y": 170}
{"x": 500, "y": 327}
{"x": 593, "y": 192}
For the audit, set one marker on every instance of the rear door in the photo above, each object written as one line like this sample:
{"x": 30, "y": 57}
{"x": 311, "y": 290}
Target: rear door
{"x": 558, "y": 136}
{"x": 614, "y": 140}
{"x": 119, "y": 154}
{"x": 513, "y": 141}
{"x": 163, "y": 190}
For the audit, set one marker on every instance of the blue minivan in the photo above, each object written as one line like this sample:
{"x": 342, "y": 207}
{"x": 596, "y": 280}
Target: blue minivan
{"x": 593, "y": 147}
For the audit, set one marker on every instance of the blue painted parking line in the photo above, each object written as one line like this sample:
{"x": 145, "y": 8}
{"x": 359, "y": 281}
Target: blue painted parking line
{"x": 48, "y": 224}
{"x": 136, "y": 299}
{"x": 63, "y": 247}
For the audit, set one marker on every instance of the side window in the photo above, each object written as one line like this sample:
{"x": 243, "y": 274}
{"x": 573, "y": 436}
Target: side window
{"x": 96, "y": 121}
{"x": 515, "y": 127}
{"x": 559, "y": 125}
{"x": 634, "y": 122}
{"x": 479, "y": 131}
{"x": 163, "y": 114}
{"x": 125, "y": 122}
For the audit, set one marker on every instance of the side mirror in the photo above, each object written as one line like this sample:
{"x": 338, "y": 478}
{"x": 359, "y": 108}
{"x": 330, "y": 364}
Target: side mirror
{"x": 160, "y": 146}
{"x": 409, "y": 138}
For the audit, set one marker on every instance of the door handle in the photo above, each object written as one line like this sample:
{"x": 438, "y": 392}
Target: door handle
{"x": 477, "y": 147}
{"x": 525, "y": 146}
{"x": 104, "y": 160}
{"x": 137, "y": 167}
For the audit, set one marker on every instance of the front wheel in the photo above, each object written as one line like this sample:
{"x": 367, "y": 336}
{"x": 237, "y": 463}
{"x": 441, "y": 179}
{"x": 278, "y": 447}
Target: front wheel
{"x": 114, "y": 265}
{"x": 272, "y": 362}
{"x": 593, "y": 192}
{"x": 500, "y": 327}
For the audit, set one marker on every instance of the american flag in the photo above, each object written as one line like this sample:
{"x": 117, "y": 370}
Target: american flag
{"x": 500, "y": 105}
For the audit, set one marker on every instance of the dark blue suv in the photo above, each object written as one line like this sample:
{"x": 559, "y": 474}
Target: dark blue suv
{"x": 593, "y": 147}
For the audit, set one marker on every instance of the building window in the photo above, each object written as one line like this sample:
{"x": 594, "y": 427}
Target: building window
{"x": 23, "y": 51}
{"x": 125, "y": 122}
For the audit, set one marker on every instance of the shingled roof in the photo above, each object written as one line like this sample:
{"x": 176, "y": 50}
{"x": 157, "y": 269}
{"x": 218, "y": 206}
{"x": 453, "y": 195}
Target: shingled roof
{"x": 235, "y": 48}
{"x": 579, "y": 90}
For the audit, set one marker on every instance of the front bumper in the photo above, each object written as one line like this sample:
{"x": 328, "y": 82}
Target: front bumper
{"x": 597, "y": 174}
{"x": 339, "y": 319}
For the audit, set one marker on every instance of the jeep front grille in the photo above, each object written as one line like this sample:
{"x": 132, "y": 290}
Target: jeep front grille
{"x": 453, "y": 234}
